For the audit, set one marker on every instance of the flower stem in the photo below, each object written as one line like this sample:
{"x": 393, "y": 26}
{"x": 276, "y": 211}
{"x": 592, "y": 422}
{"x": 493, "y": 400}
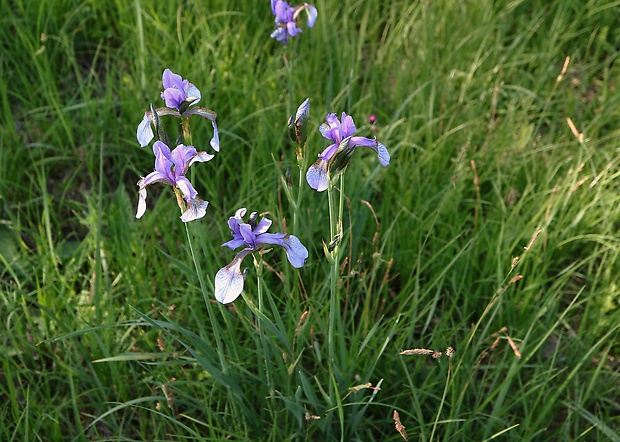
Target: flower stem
{"x": 187, "y": 134}
{"x": 335, "y": 319}
{"x": 266, "y": 357}
{"x": 297, "y": 207}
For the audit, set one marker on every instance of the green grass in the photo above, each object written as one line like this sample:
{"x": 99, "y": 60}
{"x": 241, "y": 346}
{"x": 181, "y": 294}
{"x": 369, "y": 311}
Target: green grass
{"x": 106, "y": 332}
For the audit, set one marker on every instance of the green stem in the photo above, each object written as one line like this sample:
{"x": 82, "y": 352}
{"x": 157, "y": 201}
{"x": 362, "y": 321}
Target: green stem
{"x": 187, "y": 134}
{"x": 259, "y": 320}
{"x": 297, "y": 207}
{"x": 335, "y": 319}
{"x": 332, "y": 214}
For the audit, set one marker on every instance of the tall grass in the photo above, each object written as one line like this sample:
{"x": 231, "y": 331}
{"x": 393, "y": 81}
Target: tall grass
{"x": 493, "y": 230}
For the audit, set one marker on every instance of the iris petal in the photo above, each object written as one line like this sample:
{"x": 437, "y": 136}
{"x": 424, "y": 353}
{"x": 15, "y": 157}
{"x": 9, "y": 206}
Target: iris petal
{"x": 229, "y": 279}
{"x": 295, "y": 251}
{"x": 317, "y": 175}
{"x": 312, "y": 14}
{"x": 141, "y": 199}
{"x": 380, "y": 149}
{"x": 144, "y": 133}
{"x": 196, "y": 209}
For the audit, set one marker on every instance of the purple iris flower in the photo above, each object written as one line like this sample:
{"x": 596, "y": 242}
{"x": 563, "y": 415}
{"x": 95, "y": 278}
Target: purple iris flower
{"x": 253, "y": 235}
{"x": 286, "y": 19}
{"x": 170, "y": 168}
{"x": 180, "y": 95}
{"x": 335, "y": 157}
{"x": 176, "y": 91}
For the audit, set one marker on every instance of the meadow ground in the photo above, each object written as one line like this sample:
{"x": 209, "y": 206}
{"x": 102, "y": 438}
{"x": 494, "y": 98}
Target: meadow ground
{"x": 493, "y": 230}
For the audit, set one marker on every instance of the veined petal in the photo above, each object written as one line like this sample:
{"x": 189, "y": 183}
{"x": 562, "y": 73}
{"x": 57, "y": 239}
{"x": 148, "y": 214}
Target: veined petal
{"x": 144, "y": 133}
{"x": 380, "y": 149}
{"x": 196, "y": 209}
{"x": 317, "y": 175}
{"x": 229, "y": 279}
{"x": 383, "y": 154}
{"x": 295, "y": 251}
{"x": 141, "y": 199}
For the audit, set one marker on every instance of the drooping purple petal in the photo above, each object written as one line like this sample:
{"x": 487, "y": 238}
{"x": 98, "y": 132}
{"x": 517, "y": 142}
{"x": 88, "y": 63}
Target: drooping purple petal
{"x": 317, "y": 175}
{"x": 141, "y": 199}
{"x": 196, "y": 209}
{"x": 229, "y": 279}
{"x": 312, "y": 14}
{"x": 380, "y": 149}
{"x": 144, "y": 133}
{"x": 211, "y": 116}
{"x": 215, "y": 141}
{"x": 295, "y": 251}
